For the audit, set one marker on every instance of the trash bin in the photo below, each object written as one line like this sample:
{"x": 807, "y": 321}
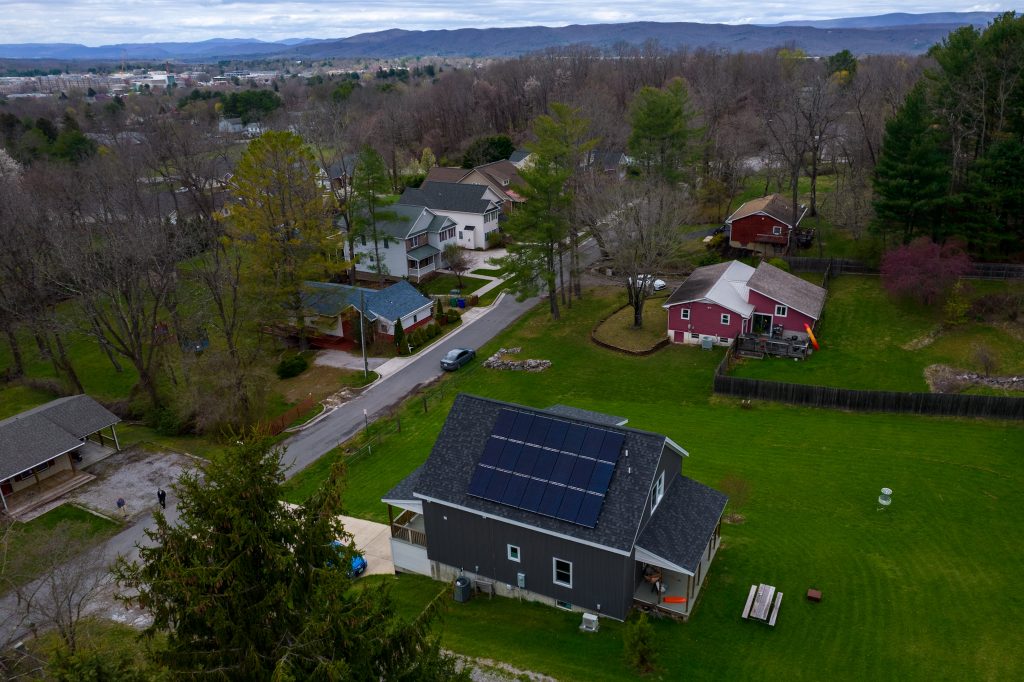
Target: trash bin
{"x": 463, "y": 589}
{"x": 452, "y": 302}
{"x": 462, "y": 303}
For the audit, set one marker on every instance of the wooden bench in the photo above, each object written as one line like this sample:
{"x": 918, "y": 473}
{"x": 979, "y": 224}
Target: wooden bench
{"x": 483, "y": 585}
{"x": 775, "y": 611}
{"x": 750, "y": 601}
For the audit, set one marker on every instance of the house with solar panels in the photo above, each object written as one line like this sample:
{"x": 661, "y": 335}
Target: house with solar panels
{"x": 560, "y": 505}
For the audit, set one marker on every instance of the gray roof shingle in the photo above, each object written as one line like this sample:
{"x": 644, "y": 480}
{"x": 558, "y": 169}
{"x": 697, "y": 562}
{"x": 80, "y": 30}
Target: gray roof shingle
{"x": 790, "y": 290}
{"x": 683, "y": 522}
{"x": 586, "y": 415}
{"x": 446, "y": 474}
{"x": 448, "y": 196}
{"x": 698, "y": 284}
{"x": 44, "y": 432}
{"x": 404, "y": 490}
{"x": 398, "y": 300}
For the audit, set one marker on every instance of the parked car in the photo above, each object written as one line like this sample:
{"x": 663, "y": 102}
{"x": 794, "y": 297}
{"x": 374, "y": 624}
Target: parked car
{"x": 651, "y": 282}
{"x": 456, "y": 358}
{"x": 358, "y": 565}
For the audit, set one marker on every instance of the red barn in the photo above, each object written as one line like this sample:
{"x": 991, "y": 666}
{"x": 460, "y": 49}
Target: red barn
{"x": 764, "y": 225}
{"x": 766, "y": 308}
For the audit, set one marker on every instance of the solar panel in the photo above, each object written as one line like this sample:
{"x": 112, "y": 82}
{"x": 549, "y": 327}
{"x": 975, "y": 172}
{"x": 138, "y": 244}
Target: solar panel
{"x": 538, "y": 430}
{"x": 533, "y": 495}
{"x": 589, "y": 510}
{"x": 601, "y": 477}
{"x": 569, "y": 509}
{"x": 492, "y": 451}
{"x": 581, "y": 472}
{"x": 496, "y": 486}
{"x": 528, "y": 459}
{"x": 521, "y": 428}
{"x": 547, "y": 465}
{"x": 503, "y": 424}
{"x": 592, "y": 442}
{"x": 556, "y": 434}
{"x": 563, "y": 468}
{"x": 514, "y": 490}
{"x": 574, "y": 438}
{"x": 478, "y": 484}
{"x": 509, "y": 455}
{"x": 611, "y": 447}
{"x": 552, "y": 500}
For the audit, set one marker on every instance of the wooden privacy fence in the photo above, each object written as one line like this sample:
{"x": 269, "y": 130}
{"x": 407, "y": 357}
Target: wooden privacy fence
{"x": 280, "y": 423}
{"x": 940, "y": 404}
{"x": 839, "y": 266}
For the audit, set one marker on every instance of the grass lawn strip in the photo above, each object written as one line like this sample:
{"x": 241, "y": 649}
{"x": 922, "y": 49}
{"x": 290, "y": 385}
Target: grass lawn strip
{"x": 811, "y": 521}
{"x": 444, "y": 283}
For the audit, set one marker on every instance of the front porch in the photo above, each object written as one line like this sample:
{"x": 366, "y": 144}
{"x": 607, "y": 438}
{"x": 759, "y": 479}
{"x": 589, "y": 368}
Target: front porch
{"x": 669, "y": 589}
{"x": 409, "y": 538}
{"x": 422, "y": 261}
{"x": 409, "y": 527}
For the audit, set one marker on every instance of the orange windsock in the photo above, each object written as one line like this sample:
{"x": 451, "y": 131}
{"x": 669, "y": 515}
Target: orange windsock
{"x": 814, "y": 341}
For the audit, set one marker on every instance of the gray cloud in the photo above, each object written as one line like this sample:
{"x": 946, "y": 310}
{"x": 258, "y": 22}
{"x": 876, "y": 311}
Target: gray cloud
{"x": 96, "y": 22}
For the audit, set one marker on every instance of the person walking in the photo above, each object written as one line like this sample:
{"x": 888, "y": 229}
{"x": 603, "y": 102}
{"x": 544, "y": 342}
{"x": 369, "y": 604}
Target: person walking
{"x": 121, "y": 507}
{"x": 161, "y": 497}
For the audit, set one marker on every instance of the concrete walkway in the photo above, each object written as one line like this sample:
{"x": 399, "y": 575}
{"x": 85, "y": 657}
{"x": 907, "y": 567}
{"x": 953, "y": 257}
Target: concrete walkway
{"x": 373, "y": 540}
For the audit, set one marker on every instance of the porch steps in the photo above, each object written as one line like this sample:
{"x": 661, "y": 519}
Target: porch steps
{"x": 23, "y": 511}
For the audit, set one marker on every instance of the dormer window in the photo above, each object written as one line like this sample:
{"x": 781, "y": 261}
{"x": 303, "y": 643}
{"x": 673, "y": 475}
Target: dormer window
{"x": 658, "y": 491}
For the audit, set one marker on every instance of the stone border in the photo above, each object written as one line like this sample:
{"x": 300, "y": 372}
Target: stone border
{"x": 636, "y": 353}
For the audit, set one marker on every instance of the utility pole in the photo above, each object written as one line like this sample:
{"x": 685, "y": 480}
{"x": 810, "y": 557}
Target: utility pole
{"x": 362, "y": 332}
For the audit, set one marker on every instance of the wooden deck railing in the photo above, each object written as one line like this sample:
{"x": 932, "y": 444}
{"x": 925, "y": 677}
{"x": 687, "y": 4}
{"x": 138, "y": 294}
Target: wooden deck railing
{"x": 410, "y": 535}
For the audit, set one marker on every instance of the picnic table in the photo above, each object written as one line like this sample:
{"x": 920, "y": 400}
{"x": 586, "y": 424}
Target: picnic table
{"x": 763, "y": 604}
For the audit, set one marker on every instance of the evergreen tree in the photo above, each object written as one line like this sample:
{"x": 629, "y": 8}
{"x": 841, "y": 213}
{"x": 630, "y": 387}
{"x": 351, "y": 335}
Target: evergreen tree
{"x": 912, "y": 177}
{"x": 399, "y": 335}
{"x": 662, "y": 140}
{"x": 246, "y": 588}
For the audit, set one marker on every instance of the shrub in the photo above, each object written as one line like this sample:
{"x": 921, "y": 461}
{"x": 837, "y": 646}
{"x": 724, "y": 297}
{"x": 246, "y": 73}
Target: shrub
{"x": 166, "y": 422}
{"x": 709, "y": 258}
{"x": 638, "y": 639}
{"x": 433, "y": 330}
{"x": 292, "y": 367}
{"x": 453, "y": 315}
{"x": 780, "y": 263}
{"x": 923, "y": 271}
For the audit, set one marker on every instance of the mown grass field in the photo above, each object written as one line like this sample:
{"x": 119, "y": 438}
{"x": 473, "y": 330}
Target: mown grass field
{"x": 866, "y": 342}
{"x": 926, "y": 590}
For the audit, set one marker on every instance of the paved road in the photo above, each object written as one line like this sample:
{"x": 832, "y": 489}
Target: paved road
{"x": 308, "y": 445}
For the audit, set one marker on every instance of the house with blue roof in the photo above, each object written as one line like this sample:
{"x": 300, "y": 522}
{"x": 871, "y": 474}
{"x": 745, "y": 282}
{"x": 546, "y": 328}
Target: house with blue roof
{"x": 334, "y": 310}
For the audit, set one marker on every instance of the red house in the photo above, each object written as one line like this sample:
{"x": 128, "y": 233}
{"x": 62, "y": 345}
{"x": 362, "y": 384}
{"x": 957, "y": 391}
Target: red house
{"x": 764, "y": 225}
{"x": 765, "y": 308}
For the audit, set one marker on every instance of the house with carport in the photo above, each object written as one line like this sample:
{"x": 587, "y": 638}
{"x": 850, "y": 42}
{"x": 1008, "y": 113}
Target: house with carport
{"x": 560, "y": 505}
{"x": 41, "y": 448}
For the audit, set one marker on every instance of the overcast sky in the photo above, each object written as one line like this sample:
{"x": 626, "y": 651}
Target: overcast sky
{"x": 99, "y": 22}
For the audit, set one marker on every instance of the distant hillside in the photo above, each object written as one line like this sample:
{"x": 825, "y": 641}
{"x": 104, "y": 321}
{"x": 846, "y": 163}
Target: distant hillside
{"x": 901, "y": 19}
{"x": 888, "y": 33}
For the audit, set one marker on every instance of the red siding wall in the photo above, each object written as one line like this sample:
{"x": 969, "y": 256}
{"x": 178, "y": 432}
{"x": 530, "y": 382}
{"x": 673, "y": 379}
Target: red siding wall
{"x": 391, "y": 337}
{"x": 705, "y": 318}
{"x": 793, "y": 321}
{"x": 746, "y": 230}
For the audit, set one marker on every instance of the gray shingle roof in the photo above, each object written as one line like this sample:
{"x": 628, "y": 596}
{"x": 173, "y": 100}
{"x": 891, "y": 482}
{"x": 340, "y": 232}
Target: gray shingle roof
{"x": 774, "y": 205}
{"x": 683, "y": 522}
{"x": 446, "y": 474}
{"x": 797, "y": 293}
{"x": 586, "y": 415}
{"x": 406, "y": 220}
{"x": 44, "y": 432}
{"x": 404, "y": 490}
{"x": 519, "y": 155}
{"x": 698, "y": 284}
{"x": 448, "y": 196}
{"x": 329, "y": 299}
{"x": 421, "y": 252}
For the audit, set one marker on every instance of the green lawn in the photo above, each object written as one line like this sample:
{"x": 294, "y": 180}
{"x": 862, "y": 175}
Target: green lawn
{"x": 925, "y": 590}
{"x": 863, "y": 335}
{"x": 618, "y": 330}
{"x": 489, "y": 272}
{"x": 442, "y": 284}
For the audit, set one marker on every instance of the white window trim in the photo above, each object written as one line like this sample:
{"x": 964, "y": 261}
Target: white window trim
{"x": 518, "y": 554}
{"x": 726, "y": 318}
{"x": 777, "y": 231}
{"x": 784, "y": 309}
{"x": 694, "y": 335}
{"x": 658, "y": 492}
{"x": 684, "y": 313}
{"x": 554, "y": 572}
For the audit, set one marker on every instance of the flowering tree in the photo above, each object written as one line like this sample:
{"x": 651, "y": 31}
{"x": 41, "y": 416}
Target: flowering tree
{"x": 923, "y": 271}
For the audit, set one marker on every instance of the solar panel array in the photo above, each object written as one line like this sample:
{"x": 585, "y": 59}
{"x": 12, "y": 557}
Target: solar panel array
{"x": 547, "y": 466}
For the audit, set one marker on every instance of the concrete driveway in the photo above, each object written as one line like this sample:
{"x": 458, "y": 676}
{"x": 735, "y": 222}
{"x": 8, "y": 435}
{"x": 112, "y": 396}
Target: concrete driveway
{"x": 373, "y": 540}
{"x": 345, "y": 360}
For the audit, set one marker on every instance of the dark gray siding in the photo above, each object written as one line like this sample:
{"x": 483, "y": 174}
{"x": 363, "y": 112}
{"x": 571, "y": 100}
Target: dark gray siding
{"x": 671, "y": 463}
{"x": 479, "y": 545}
